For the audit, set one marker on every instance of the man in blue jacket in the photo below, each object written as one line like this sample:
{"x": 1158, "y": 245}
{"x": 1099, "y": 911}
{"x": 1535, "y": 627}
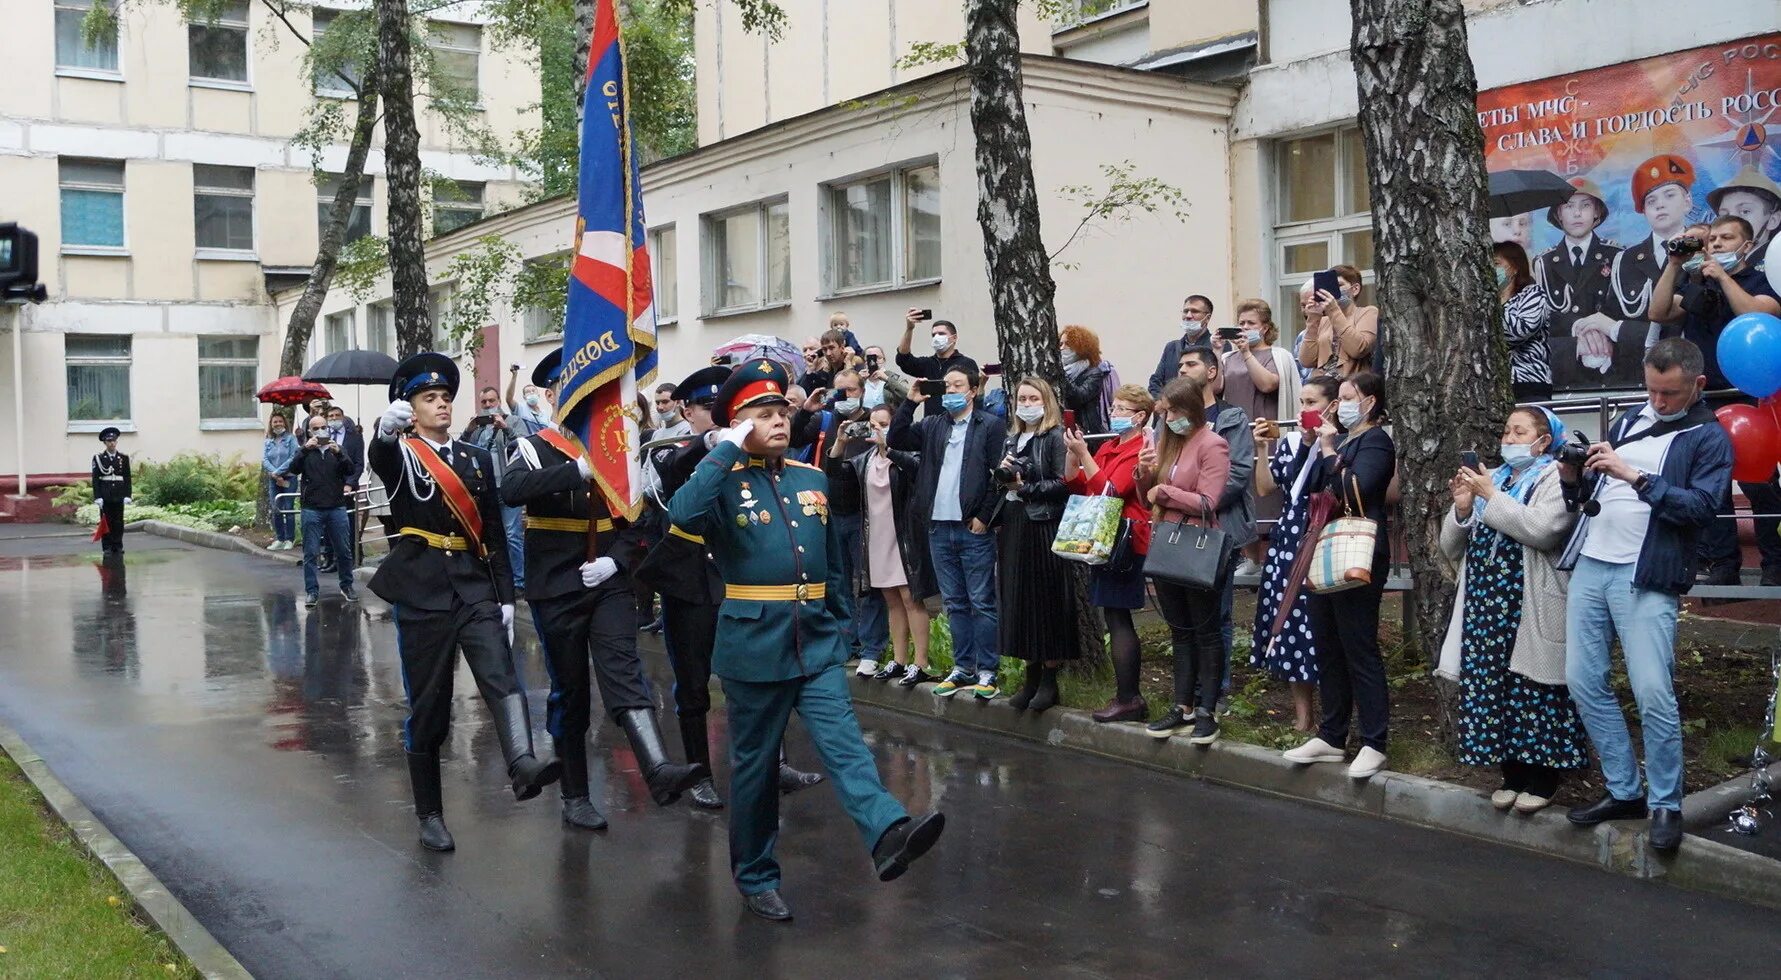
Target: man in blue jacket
{"x": 1646, "y": 494}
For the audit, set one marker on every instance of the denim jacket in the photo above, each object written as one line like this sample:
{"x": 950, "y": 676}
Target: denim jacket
{"x": 280, "y": 450}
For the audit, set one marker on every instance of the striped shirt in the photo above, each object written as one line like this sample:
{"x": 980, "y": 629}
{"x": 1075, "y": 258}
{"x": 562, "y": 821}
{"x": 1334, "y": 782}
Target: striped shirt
{"x": 1524, "y": 326}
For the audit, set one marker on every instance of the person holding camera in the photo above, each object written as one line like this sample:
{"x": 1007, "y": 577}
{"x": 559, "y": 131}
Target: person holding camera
{"x": 880, "y": 385}
{"x": 323, "y": 468}
{"x": 1646, "y": 494}
{"x": 1504, "y": 531}
{"x": 943, "y": 340}
{"x": 491, "y": 432}
{"x": 836, "y": 430}
{"x": 1037, "y": 605}
{"x": 893, "y": 560}
{"x": 1726, "y": 286}
{"x": 1340, "y": 333}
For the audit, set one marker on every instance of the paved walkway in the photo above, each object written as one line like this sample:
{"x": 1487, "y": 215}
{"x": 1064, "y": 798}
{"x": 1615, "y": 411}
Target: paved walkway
{"x": 248, "y": 751}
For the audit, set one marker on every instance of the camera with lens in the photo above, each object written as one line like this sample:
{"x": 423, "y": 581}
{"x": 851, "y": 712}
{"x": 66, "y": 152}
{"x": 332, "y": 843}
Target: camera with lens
{"x": 1008, "y": 472}
{"x": 857, "y": 430}
{"x": 1684, "y": 246}
{"x": 18, "y": 265}
{"x": 1572, "y": 455}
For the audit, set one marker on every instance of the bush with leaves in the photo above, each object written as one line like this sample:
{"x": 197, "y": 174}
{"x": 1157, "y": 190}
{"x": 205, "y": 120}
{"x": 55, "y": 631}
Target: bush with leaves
{"x": 191, "y": 478}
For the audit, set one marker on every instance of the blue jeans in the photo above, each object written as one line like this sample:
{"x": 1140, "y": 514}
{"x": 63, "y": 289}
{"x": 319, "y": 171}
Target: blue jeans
{"x": 965, "y": 566}
{"x": 1603, "y": 604}
{"x": 870, "y": 632}
{"x": 284, "y": 526}
{"x": 336, "y": 524}
{"x": 514, "y": 520}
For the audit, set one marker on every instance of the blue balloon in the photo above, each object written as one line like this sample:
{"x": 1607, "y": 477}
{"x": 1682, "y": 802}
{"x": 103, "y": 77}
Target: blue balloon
{"x": 1750, "y": 353}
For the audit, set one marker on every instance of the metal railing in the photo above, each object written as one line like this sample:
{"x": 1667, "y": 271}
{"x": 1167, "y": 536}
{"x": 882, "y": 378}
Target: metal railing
{"x": 290, "y": 502}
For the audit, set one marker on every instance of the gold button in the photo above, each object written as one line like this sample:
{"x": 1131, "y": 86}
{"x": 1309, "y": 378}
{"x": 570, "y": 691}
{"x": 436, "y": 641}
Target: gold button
{"x": 803, "y": 592}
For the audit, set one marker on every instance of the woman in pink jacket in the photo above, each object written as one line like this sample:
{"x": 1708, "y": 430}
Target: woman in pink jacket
{"x": 1182, "y": 478}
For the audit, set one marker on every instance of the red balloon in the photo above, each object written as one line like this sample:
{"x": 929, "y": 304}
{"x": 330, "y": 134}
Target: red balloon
{"x": 1756, "y": 440}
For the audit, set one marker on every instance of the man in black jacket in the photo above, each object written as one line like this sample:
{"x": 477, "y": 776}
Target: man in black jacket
{"x": 960, "y": 447}
{"x": 323, "y": 469}
{"x": 111, "y": 488}
{"x": 585, "y": 610}
{"x": 448, "y": 580}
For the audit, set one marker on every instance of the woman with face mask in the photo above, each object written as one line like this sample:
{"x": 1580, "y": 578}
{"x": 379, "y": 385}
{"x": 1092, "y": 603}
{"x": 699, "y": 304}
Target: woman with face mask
{"x": 1505, "y": 641}
{"x": 275, "y": 461}
{"x": 893, "y": 560}
{"x": 1524, "y": 323}
{"x": 1037, "y": 592}
{"x": 1355, "y": 462}
{"x": 1085, "y": 378}
{"x": 1263, "y": 381}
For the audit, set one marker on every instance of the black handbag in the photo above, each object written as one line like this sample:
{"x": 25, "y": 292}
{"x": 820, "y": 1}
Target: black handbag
{"x": 1186, "y": 554}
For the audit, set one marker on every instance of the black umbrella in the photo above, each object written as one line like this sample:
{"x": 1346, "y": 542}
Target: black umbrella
{"x": 1515, "y": 192}
{"x": 353, "y": 367}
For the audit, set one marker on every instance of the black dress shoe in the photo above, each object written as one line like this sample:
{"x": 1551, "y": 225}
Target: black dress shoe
{"x": 1666, "y": 830}
{"x": 791, "y": 780}
{"x": 704, "y": 795}
{"x": 768, "y": 905}
{"x": 579, "y": 811}
{"x": 906, "y": 840}
{"x": 434, "y": 836}
{"x": 1607, "y": 808}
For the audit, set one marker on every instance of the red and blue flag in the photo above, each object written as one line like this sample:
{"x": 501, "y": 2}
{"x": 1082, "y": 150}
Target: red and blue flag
{"x": 609, "y": 329}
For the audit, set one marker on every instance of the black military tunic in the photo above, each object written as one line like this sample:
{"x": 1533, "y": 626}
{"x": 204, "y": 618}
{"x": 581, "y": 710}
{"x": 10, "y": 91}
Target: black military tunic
{"x": 111, "y": 484}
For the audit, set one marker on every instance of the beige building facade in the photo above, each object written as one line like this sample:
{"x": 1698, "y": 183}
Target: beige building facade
{"x": 159, "y": 173}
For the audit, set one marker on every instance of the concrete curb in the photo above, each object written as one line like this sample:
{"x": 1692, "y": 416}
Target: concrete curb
{"x": 212, "y": 539}
{"x": 149, "y": 896}
{"x": 1701, "y": 864}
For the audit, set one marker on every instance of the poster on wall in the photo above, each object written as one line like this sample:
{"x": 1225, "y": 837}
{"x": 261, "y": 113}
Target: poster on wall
{"x": 1652, "y": 147}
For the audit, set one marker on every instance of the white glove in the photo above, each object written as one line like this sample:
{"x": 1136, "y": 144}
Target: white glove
{"x": 738, "y": 433}
{"x": 507, "y": 620}
{"x": 587, "y": 472}
{"x": 597, "y": 571}
{"x": 399, "y": 416}
{"x": 126, "y": 501}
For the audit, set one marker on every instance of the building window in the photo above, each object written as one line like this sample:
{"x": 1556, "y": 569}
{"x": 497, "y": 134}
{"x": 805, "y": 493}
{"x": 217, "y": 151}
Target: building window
{"x": 219, "y": 49}
{"x": 228, "y": 369}
{"x": 665, "y": 272}
{"x": 543, "y": 301}
{"x": 457, "y": 54}
{"x": 330, "y": 83}
{"x": 456, "y": 203}
{"x": 72, "y": 50}
{"x": 438, "y": 312}
{"x": 748, "y": 251}
{"x": 1321, "y": 217}
{"x": 98, "y": 377}
{"x": 884, "y": 231}
{"x": 359, "y": 224}
{"x": 337, "y": 332}
{"x": 92, "y": 203}
{"x": 1074, "y": 13}
{"x": 380, "y": 328}
{"x": 223, "y": 207}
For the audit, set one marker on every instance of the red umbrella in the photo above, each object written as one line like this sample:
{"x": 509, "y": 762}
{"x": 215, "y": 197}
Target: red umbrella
{"x": 292, "y": 390}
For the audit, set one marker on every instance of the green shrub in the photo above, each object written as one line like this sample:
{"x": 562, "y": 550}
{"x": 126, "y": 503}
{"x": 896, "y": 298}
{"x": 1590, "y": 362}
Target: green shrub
{"x": 190, "y": 478}
{"x": 73, "y": 495}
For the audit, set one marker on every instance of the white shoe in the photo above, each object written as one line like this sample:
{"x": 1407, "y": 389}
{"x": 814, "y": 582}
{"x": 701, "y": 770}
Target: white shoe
{"x": 274, "y": 546}
{"x": 1368, "y": 762}
{"x": 1529, "y": 803}
{"x": 1316, "y": 750}
{"x": 1503, "y": 799}
{"x": 1248, "y": 567}
{"x": 867, "y": 667}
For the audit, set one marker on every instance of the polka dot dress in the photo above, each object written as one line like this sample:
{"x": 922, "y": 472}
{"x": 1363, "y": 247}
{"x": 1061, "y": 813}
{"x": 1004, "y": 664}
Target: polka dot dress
{"x": 1289, "y": 656}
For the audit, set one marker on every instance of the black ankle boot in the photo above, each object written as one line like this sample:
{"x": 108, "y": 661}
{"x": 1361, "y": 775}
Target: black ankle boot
{"x": 1047, "y": 696}
{"x": 666, "y": 780}
{"x": 704, "y": 795}
{"x": 578, "y": 809}
{"x": 1029, "y": 688}
{"x": 791, "y": 780}
{"x": 529, "y": 771}
{"x": 423, "y": 773}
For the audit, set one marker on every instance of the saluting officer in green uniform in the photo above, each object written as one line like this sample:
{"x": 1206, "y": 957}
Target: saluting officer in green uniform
{"x": 782, "y": 634}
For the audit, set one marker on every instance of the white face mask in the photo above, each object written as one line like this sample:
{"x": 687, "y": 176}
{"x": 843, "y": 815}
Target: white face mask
{"x": 1030, "y": 413}
{"x": 941, "y": 342}
{"x": 1067, "y": 357}
{"x": 873, "y": 395}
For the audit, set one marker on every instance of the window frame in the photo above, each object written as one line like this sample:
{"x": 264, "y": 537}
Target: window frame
{"x": 63, "y": 184}
{"x": 710, "y": 289}
{"x": 319, "y": 89}
{"x": 1070, "y": 23}
{"x": 900, "y": 232}
{"x": 385, "y": 311}
{"x": 251, "y": 194}
{"x": 113, "y": 74}
{"x": 444, "y": 292}
{"x": 436, "y": 40}
{"x": 225, "y": 22}
{"x": 460, "y": 206}
{"x": 656, "y": 252}
{"x": 367, "y": 195}
{"x": 251, "y": 420}
{"x": 1332, "y": 232}
{"x": 351, "y": 315}
{"x": 127, "y": 361}
{"x": 531, "y": 316}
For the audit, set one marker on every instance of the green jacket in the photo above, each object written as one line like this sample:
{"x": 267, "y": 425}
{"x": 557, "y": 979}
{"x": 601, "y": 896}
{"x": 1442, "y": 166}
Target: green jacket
{"x": 766, "y": 524}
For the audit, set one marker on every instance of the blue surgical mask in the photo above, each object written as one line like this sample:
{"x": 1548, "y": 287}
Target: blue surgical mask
{"x": 1180, "y": 426}
{"x": 1348, "y": 413}
{"x": 874, "y": 396}
{"x": 847, "y": 406}
{"x": 1671, "y": 417}
{"x": 1727, "y": 259}
{"x": 1192, "y": 328}
{"x": 1516, "y": 455}
{"x": 1030, "y": 413}
{"x": 954, "y": 401}
{"x": 1254, "y": 337}
{"x": 1345, "y": 301}
{"x": 1694, "y": 262}
{"x": 1119, "y": 424}
{"x": 1502, "y": 277}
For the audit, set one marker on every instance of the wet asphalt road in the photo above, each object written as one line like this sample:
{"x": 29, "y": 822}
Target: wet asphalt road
{"x": 248, "y": 751}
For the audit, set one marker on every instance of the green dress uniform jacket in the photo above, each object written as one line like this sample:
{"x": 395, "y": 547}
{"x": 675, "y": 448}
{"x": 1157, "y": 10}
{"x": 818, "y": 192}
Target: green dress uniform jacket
{"x": 766, "y": 522}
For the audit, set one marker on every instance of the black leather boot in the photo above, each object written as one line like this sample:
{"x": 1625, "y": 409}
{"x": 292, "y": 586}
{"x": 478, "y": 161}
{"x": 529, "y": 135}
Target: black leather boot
{"x": 578, "y": 808}
{"x": 791, "y": 780}
{"x": 697, "y": 745}
{"x": 666, "y": 780}
{"x": 1029, "y": 688}
{"x": 906, "y": 840}
{"x": 529, "y": 771}
{"x": 423, "y": 773}
{"x": 1047, "y": 696}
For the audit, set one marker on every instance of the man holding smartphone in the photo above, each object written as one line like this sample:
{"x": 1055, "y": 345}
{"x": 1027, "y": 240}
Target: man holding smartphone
{"x": 324, "y": 469}
{"x": 943, "y": 339}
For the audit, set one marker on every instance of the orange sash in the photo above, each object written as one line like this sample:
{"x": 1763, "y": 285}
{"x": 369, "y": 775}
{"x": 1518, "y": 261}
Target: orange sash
{"x": 451, "y": 487}
{"x": 560, "y": 443}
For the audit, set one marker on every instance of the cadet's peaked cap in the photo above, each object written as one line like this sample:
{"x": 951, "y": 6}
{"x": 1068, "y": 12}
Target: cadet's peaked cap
{"x": 428, "y": 369}
{"x": 109, "y": 433}
{"x": 755, "y": 382}
{"x": 702, "y": 385}
{"x": 545, "y": 374}
{"x": 1748, "y": 179}
{"x": 1584, "y": 186}
{"x": 1665, "y": 168}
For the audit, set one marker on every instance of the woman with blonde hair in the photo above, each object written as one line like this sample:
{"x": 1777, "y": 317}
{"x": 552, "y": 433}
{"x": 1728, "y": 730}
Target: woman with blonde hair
{"x": 1036, "y": 590}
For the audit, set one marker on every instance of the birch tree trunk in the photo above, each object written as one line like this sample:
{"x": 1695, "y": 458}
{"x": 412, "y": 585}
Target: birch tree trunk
{"x": 402, "y": 167}
{"x": 1020, "y": 284}
{"x": 327, "y": 255}
{"x": 1446, "y": 365}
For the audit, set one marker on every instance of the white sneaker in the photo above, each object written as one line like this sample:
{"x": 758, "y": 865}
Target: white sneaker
{"x": 867, "y": 667}
{"x": 1503, "y": 799}
{"x": 1368, "y": 762}
{"x": 274, "y": 546}
{"x": 1529, "y": 803}
{"x": 1316, "y": 750}
{"x": 1248, "y": 567}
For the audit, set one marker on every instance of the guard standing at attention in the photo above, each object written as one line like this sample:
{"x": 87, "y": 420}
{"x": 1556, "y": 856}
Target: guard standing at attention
{"x": 448, "y": 580}
{"x": 782, "y": 634}
{"x": 585, "y": 610}
{"x": 111, "y": 488}
{"x": 682, "y": 572}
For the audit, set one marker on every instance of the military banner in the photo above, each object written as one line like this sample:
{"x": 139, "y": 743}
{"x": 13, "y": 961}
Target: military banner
{"x": 1652, "y": 147}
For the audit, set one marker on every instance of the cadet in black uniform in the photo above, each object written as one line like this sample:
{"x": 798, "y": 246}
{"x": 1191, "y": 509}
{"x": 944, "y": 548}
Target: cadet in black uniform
{"x": 449, "y": 583}
{"x": 584, "y": 609}
{"x": 111, "y": 488}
